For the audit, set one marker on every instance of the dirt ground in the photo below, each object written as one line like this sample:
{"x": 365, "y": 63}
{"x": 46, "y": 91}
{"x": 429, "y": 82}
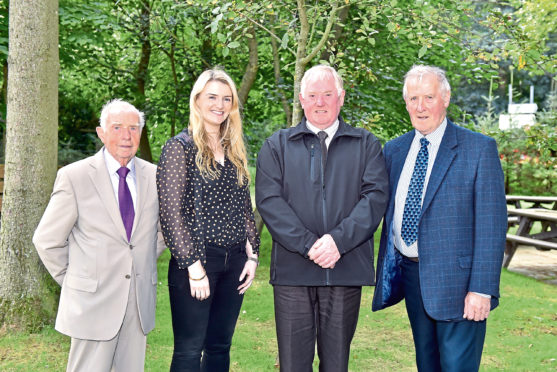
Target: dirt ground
{"x": 541, "y": 265}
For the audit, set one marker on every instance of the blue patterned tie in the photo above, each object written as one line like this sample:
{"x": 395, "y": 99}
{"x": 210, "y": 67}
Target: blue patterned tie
{"x": 413, "y": 204}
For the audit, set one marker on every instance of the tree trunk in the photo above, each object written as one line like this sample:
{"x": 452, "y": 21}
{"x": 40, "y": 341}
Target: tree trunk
{"x": 300, "y": 66}
{"x": 4, "y": 97}
{"x": 142, "y": 74}
{"x": 26, "y": 294}
{"x": 279, "y": 83}
{"x": 303, "y": 57}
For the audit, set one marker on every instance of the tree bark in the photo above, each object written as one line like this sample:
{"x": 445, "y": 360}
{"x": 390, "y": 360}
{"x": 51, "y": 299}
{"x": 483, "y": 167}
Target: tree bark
{"x": 251, "y": 69}
{"x": 300, "y": 66}
{"x": 142, "y": 74}
{"x": 26, "y": 292}
{"x": 283, "y": 99}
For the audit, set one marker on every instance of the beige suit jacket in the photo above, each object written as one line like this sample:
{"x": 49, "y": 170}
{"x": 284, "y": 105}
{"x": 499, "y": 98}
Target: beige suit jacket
{"x": 82, "y": 242}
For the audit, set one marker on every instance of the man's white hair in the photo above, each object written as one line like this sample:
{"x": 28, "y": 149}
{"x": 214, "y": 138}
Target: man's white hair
{"x": 418, "y": 72}
{"x": 320, "y": 72}
{"x": 119, "y": 105}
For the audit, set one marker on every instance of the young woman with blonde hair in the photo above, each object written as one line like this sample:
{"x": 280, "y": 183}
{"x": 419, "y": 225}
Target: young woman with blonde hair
{"x": 207, "y": 222}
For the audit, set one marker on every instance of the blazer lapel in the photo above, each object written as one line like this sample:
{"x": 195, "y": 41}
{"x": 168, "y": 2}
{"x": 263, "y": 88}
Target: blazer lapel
{"x": 399, "y": 158}
{"x": 443, "y": 160}
{"x": 101, "y": 180}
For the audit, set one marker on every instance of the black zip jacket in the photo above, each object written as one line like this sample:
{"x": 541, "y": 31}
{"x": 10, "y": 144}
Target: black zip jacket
{"x": 300, "y": 202}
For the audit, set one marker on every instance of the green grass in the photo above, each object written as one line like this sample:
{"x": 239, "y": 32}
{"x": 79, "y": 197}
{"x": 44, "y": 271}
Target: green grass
{"x": 521, "y": 333}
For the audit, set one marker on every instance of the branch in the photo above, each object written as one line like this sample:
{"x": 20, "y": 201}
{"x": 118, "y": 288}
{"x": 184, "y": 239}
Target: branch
{"x": 182, "y": 43}
{"x": 266, "y": 30}
{"x": 251, "y": 69}
{"x": 324, "y": 37}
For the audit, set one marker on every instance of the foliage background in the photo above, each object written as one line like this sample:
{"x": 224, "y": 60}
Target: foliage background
{"x": 151, "y": 51}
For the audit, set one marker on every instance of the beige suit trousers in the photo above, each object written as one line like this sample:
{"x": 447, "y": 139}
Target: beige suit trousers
{"x": 124, "y": 353}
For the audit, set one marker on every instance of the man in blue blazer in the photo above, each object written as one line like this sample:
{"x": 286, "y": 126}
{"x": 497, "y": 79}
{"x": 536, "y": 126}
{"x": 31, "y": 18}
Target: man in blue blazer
{"x": 444, "y": 230}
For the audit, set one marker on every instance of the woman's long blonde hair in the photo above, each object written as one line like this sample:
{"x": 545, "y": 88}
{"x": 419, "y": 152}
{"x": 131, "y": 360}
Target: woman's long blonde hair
{"x": 230, "y": 131}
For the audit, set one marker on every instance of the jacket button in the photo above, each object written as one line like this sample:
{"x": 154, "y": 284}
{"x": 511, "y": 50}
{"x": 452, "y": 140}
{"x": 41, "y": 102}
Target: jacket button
{"x": 131, "y": 246}
{"x": 128, "y": 276}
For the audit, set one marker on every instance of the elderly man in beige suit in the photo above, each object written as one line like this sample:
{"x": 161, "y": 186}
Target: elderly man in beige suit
{"x": 100, "y": 238}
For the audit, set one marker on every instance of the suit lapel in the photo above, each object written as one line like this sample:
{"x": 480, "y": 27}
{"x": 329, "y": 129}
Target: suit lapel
{"x": 101, "y": 180}
{"x": 142, "y": 186}
{"x": 443, "y": 160}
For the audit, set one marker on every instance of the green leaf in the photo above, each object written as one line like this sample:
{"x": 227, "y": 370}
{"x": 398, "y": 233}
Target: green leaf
{"x": 234, "y": 45}
{"x": 422, "y": 51}
{"x": 225, "y": 51}
{"x": 284, "y": 42}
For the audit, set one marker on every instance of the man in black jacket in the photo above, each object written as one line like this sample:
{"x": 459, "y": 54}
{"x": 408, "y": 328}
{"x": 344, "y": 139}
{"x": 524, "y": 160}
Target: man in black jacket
{"x": 322, "y": 189}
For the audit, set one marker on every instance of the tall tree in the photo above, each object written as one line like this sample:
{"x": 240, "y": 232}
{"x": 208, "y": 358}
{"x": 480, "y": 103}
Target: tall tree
{"x": 26, "y": 300}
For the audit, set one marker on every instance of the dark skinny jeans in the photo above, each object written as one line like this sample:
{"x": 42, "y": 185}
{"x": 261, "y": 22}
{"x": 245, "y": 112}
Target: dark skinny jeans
{"x": 203, "y": 330}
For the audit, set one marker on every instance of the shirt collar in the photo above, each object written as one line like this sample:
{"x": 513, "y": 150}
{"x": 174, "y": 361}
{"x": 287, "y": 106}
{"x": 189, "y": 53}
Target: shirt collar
{"x": 434, "y": 137}
{"x": 330, "y": 130}
{"x": 113, "y": 165}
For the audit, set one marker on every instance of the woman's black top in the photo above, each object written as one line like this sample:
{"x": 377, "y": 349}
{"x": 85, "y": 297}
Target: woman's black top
{"x": 194, "y": 211}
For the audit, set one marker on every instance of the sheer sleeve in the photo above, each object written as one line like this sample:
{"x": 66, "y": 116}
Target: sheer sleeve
{"x": 176, "y": 205}
{"x": 251, "y": 230}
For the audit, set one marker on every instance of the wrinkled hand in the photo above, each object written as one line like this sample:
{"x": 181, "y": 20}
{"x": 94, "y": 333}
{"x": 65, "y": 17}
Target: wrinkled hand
{"x": 199, "y": 288}
{"x": 324, "y": 252}
{"x": 476, "y": 307}
{"x": 248, "y": 274}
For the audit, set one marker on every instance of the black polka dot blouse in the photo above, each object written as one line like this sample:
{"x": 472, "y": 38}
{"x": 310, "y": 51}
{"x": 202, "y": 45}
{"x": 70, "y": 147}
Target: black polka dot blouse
{"x": 194, "y": 211}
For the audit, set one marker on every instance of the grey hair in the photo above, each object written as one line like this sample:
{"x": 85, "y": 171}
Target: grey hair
{"x": 119, "y": 105}
{"x": 418, "y": 71}
{"x": 321, "y": 72}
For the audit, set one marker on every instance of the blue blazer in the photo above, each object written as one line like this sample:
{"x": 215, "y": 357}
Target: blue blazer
{"x": 462, "y": 228}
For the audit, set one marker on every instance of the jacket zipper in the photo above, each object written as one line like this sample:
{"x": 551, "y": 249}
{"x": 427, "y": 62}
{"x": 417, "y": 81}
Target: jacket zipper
{"x": 327, "y": 271}
{"x": 312, "y": 155}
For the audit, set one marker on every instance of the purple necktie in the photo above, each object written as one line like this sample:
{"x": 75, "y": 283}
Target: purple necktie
{"x": 125, "y": 200}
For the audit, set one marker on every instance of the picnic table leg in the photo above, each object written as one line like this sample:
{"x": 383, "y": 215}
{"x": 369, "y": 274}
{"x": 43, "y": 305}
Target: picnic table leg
{"x": 510, "y": 248}
{"x": 523, "y": 228}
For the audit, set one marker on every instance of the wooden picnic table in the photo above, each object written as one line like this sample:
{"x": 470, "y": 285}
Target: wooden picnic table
{"x": 546, "y": 239}
{"x": 517, "y": 200}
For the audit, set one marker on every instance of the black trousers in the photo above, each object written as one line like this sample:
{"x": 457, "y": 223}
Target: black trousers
{"x": 203, "y": 330}
{"x": 304, "y": 315}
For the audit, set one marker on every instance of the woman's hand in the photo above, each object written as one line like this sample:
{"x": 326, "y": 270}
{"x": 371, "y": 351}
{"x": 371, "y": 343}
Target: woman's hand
{"x": 248, "y": 274}
{"x": 199, "y": 282}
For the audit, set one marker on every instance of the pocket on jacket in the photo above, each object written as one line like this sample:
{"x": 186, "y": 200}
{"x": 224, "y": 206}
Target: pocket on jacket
{"x": 81, "y": 283}
{"x": 465, "y": 262}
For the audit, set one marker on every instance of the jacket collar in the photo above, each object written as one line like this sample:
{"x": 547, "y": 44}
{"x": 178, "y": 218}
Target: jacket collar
{"x": 343, "y": 130}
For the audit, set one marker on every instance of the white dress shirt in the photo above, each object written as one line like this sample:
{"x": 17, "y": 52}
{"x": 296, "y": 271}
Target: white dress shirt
{"x": 434, "y": 139}
{"x": 113, "y": 165}
{"x": 331, "y": 130}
